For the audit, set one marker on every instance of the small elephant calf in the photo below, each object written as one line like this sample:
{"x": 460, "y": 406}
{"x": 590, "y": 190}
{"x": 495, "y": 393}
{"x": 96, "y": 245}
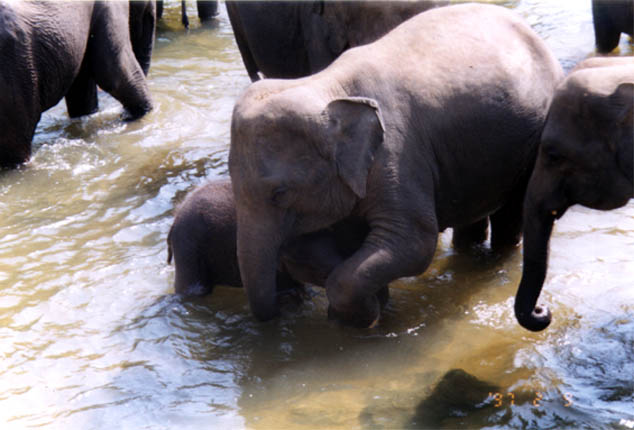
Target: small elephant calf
{"x": 202, "y": 242}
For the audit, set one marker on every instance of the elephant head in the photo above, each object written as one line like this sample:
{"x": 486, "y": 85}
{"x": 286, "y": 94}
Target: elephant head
{"x": 585, "y": 157}
{"x": 299, "y": 162}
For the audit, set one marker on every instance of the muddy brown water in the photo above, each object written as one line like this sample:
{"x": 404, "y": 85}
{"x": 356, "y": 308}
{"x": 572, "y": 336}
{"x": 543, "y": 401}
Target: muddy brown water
{"x": 92, "y": 336}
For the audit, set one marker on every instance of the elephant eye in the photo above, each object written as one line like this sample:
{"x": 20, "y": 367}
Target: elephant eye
{"x": 278, "y": 195}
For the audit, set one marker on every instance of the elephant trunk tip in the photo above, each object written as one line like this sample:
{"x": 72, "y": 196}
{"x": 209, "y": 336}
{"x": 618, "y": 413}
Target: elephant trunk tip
{"x": 536, "y": 320}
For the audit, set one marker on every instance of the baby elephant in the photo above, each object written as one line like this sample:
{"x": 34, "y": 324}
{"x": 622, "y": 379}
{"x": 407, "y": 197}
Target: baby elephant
{"x": 202, "y": 241}
{"x": 585, "y": 157}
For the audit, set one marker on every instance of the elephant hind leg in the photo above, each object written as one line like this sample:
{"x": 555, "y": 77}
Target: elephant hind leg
{"x": 465, "y": 237}
{"x": 113, "y": 63}
{"x": 81, "y": 98}
{"x": 506, "y": 224}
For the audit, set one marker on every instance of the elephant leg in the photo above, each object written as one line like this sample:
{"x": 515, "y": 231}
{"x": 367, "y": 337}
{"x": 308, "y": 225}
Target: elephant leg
{"x": 207, "y": 9}
{"x": 606, "y": 32}
{"x": 469, "y": 235}
{"x": 142, "y": 29}
{"x": 506, "y": 223}
{"x": 113, "y": 63}
{"x": 241, "y": 40}
{"x": 190, "y": 278}
{"x": 356, "y": 287}
{"x": 312, "y": 257}
{"x": 184, "y": 18}
{"x": 159, "y": 9}
{"x": 15, "y": 141}
{"x": 81, "y": 98}
{"x": 290, "y": 293}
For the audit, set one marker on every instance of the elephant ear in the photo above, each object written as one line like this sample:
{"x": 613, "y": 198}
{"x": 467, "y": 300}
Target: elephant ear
{"x": 354, "y": 133}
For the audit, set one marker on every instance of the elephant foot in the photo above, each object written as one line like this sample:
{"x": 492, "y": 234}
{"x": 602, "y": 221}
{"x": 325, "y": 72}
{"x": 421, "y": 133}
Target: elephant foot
{"x": 194, "y": 289}
{"x": 362, "y": 314}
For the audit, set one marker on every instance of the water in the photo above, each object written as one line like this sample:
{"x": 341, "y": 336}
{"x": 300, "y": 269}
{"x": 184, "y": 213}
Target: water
{"x": 92, "y": 337}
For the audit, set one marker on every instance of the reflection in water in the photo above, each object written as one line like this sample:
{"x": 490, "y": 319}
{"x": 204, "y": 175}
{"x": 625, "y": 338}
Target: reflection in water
{"x": 91, "y": 335}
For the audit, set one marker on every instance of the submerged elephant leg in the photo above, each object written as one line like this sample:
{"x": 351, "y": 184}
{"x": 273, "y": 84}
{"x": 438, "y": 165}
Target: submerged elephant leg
{"x": 81, "y": 98}
{"x": 506, "y": 223}
{"x": 470, "y": 235}
{"x": 114, "y": 65}
{"x": 607, "y": 32}
{"x": 207, "y": 9}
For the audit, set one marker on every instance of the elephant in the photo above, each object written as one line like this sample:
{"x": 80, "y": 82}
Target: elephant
{"x": 585, "y": 157}
{"x": 206, "y": 10}
{"x": 434, "y": 125}
{"x": 65, "y": 49}
{"x": 202, "y": 242}
{"x": 292, "y": 39}
{"x": 610, "y": 19}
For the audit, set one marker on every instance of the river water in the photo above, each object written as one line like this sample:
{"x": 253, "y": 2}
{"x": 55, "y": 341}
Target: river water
{"x": 92, "y": 336}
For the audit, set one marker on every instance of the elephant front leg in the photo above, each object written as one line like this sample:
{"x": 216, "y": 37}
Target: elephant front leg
{"x": 357, "y": 287}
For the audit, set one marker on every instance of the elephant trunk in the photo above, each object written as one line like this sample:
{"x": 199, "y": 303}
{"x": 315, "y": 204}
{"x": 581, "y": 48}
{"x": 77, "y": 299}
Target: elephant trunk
{"x": 258, "y": 245}
{"x": 537, "y": 232}
{"x": 544, "y": 202}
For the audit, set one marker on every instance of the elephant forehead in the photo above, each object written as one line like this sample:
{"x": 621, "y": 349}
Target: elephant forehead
{"x": 275, "y": 126}
{"x": 598, "y": 81}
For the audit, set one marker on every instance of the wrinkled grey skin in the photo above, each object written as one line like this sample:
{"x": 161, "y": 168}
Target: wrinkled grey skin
{"x": 585, "y": 158}
{"x": 292, "y": 39}
{"x": 206, "y": 10}
{"x": 435, "y": 125}
{"x": 611, "y": 18}
{"x": 202, "y": 241}
{"x": 59, "y": 49}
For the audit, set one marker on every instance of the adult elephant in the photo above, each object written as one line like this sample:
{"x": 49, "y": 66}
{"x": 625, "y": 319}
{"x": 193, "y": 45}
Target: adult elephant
{"x": 611, "y": 18}
{"x": 207, "y": 9}
{"x": 434, "y": 125}
{"x": 585, "y": 158}
{"x": 291, "y": 39}
{"x": 51, "y": 50}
